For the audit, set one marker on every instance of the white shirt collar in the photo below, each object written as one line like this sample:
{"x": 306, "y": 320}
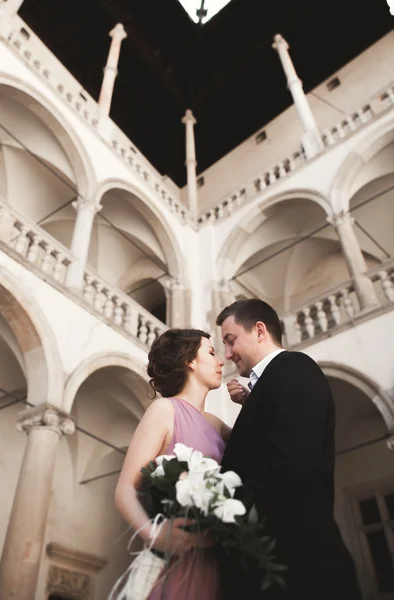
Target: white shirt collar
{"x": 258, "y": 369}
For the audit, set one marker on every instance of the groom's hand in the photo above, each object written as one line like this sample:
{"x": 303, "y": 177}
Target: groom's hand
{"x": 238, "y": 393}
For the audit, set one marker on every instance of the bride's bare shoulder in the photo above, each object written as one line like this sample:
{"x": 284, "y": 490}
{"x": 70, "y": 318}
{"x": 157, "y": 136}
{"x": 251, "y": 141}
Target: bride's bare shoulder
{"x": 160, "y": 407}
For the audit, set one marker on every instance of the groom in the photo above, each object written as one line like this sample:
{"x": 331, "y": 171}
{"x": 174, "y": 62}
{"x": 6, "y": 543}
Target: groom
{"x": 282, "y": 447}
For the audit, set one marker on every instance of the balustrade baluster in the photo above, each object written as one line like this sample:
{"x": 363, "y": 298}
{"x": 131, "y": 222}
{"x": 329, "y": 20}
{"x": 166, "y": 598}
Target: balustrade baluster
{"x": 335, "y": 312}
{"x": 99, "y": 297}
{"x": 328, "y": 138}
{"x": 321, "y": 316}
{"x": 387, "y": 285}
{"x": 89, "y": 289}
{"x": 34, "y": 249}
{"x": 47, "y": 262}
{"x": 22, "y": 240}
{"x": 348, "y": 304}
{"x": 142, "y": 329}
{"x": 151, "y": 333}
{"x": 59, "y": 268}
{"x": 108, "y": 304}
{"x": 308, "y": 322}
{"x": 119, "y": 312}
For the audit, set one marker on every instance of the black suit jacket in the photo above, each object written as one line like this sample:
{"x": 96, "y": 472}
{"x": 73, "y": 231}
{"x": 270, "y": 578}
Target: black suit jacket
{"x": 282, "y": 447}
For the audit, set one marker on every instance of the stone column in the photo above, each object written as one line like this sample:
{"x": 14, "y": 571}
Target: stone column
{"x": 20, "y": 561}
{"x": 86, "y": 211}
{"x": 355, "y": 262}
{"x": 176, "y": 310}
{"x": 189, "y": 121}
{"x": 311, "y": 139}
{"x": 110, "y": 71}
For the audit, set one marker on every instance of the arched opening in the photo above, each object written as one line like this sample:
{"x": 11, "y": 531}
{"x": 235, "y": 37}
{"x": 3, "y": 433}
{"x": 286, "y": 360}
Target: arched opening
{"x": 364, "y": 477}
{"x": 42, "y": 160}
{"x": 287, "y": 255}
{"x": 131, "y": 249}
{"x": 107, "y": 405}
{"x": 13, "y": 386}
{"x": 150, "y": 294}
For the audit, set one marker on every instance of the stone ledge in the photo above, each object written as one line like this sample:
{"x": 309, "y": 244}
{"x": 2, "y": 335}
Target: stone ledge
{"x": 75, "y": 558}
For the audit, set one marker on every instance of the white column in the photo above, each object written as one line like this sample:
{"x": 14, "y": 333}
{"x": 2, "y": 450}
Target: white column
{"x": 20, "y": 561}
{"x": 111, "y": 70}
{"x": 355, "y": 261}
{"x": 176, "y": 298}
{"x": 189, "y": 121}
{"x": 311, "y": 139}
{"x": 86, "y": 211}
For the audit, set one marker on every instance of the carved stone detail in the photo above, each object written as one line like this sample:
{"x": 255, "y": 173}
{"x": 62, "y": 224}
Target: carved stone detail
{"x": 46, "y": 415}
{"x": 71, "y": 583}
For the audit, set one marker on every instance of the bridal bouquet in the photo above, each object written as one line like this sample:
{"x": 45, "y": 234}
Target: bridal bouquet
{"x": 187, "y": 484}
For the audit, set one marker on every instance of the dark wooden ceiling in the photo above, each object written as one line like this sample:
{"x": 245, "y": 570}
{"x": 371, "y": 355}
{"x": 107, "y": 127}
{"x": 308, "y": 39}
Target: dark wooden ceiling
{"x": 225, "y": 71}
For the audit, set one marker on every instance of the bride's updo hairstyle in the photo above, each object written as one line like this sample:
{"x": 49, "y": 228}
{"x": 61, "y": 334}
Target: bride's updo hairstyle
{"x": 169, "y": 357}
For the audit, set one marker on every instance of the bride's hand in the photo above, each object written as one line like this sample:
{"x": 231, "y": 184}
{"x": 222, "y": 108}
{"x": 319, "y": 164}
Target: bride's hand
{"x": 174, "y": 540}
{"x": 238, "y": 393}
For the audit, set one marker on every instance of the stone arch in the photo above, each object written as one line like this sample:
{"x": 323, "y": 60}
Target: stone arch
{"x": 251, "y": 220}
{"x": 367, "y": 386}
{"x": 340, "y": 193}
{"x": 161, "y": 227}
{"x": 62, "y": 130}
{"x": 44, "y": 373}
{"x": 93, "y": 364}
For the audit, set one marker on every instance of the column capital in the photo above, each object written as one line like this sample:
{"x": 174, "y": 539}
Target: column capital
{"x": 174, "y": 283}
{"x": 189, "y": 117}
{"x": 339, "y": 219}
{"x": 280, "y": 42}
{"x": 85, "y": 204}
{"x": 46, "y": 415}
{"x": 118, "y": 32}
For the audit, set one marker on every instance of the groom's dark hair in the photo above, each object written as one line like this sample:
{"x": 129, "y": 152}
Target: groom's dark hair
{"x": 248, "y": 312}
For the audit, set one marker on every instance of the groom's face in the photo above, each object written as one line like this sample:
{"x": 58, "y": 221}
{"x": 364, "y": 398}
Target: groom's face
{"x": 241, "y": 345}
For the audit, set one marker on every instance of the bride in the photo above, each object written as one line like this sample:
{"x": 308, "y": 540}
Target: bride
{"x": 183, "y": 368}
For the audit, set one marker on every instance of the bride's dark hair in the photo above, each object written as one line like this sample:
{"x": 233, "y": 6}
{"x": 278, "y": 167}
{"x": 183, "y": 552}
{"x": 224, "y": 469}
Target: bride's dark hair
{"x": 169, "y": 357}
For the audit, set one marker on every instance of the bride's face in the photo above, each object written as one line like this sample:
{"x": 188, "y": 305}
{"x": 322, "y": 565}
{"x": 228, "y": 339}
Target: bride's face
{"x": 207, "y": 366}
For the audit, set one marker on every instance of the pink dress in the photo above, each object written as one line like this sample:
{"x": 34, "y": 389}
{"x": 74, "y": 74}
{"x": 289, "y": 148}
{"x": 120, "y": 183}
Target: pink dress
{"x": 194, "y": 576}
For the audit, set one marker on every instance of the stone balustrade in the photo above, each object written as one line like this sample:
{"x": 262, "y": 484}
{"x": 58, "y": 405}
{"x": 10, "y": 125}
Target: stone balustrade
{"x": 336, "y": 308}
{"x": 39, "y": 58}
{"x": 253, "y": 187}
{"x": 52, "y": 260}
{"x": 34, "y": 245}
{"x": 357, "y": 119}
{"x": 121, "y": 310}
{"x": 31, "y": 50}
{"x": 379, "y": 104}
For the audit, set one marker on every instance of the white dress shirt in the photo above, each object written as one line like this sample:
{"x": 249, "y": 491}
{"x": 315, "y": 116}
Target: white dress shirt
{"x": 258, "y": 369}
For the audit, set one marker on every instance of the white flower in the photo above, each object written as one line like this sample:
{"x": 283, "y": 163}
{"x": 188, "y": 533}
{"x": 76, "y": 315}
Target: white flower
{"x": 203, "y": 499}
{"x": 182, "y": 452}
{"x": 193, "y": 491}
{"x": 227, "y": 510}
{"x": 211, "y": 467}
{"x": 158, "y": 472}
{"x": 183, "y": 494}
{"x": 231, "y": 480}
